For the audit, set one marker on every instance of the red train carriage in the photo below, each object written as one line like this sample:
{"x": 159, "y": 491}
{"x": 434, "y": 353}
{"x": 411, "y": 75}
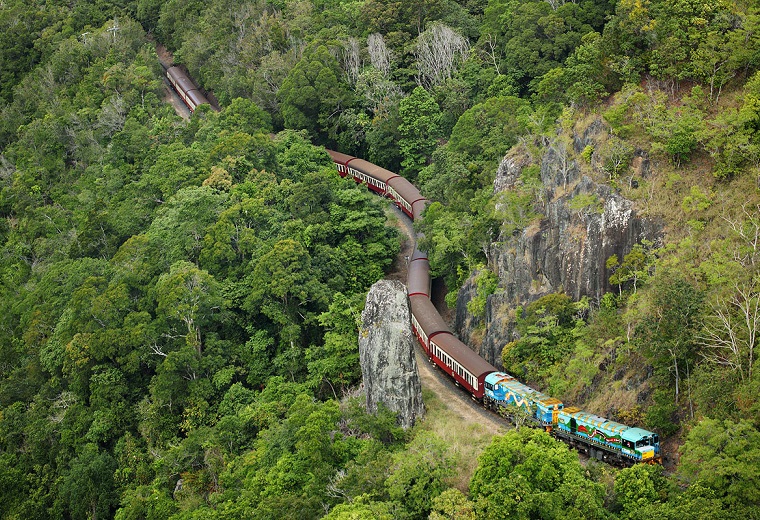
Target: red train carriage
{"x": 465, "y": 366}
{"x": 445, "y": 350}
{"x": 426, "y": 322}
{"x": 404, "y": 193}
{"x": 418, "y": 253}
{"x": 375, "y": 177}
{"x": 187, "y": 90}
{"x": 341, "y": 161}
{"x": 418, "y": 277}
{"x": 417, "y": 208}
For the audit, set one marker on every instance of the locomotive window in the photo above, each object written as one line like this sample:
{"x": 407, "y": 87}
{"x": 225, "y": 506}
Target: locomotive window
{"x": 628, "y": 444}
{"x": 656, "y": 439}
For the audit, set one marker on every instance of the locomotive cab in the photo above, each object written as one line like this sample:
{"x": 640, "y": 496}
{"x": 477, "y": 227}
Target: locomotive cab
{"x": 641, "y": 444}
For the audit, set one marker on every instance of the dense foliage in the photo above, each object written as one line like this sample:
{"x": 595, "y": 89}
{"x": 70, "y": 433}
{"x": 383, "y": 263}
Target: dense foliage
{"x": 178, "y": 299}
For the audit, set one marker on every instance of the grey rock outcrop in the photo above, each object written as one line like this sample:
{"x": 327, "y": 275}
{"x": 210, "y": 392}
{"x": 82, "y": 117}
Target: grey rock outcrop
{"x": 567, "y": 249}
{"x": 386, "y": 353}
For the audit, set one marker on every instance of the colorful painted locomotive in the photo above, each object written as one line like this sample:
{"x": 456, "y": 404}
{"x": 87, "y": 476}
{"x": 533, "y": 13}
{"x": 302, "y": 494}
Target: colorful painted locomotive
{"x": 599, "y": 437}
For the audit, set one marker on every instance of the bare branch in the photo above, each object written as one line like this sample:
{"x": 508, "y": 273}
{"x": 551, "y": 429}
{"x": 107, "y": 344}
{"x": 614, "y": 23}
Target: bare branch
{"x": 439, "y": 51}
{"x": 380, "y": 56}
{"x": 491, "y": 42}
{"x": 157, "y": 350}
{"x": 352, "y": 62}
{"x": 731, "y": 332}
{"x": 748, "y": 231}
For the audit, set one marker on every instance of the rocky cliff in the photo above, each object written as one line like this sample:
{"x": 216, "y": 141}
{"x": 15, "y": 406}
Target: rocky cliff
{"x": 386, "y": 353}
{"x": 582, "y": 223}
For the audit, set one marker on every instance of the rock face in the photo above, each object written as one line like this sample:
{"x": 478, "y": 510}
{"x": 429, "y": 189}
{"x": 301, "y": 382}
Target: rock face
{"x": 567, "y": 249}
{"x": 386, "y": 353}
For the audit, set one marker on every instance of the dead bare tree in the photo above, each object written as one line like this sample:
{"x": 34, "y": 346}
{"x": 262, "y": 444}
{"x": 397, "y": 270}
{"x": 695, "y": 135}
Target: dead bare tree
{"x": 731, "y": 332}
{"x": 748, "y": 232}
{"x": 352, "y": 61}
{"x": 439, "y": 51}
{"x": 564, "y": 163}
{"x": 491, "y": 43}
{"x": 379, "y": 54}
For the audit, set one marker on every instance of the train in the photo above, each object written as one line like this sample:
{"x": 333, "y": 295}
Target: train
{"x": 600, "y": 438}
{"x": 188, "y": 91}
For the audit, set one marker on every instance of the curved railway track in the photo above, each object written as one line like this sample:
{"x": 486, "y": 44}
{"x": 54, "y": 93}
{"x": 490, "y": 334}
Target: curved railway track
{"x": 601, "y": 438}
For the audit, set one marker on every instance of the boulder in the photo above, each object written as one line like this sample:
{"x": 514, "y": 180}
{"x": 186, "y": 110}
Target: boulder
{"x": 386, "y": 353}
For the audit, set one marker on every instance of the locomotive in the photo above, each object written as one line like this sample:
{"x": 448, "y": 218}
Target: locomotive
{"x": 599, "y": 437}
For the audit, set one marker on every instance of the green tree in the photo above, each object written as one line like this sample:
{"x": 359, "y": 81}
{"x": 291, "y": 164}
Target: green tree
{"x": 313, "y": 94}
{"x": 419, "y": 475}
{"x": 636, "y": 267}
{"x": 361, "y": 509}
{"x": 527, "y": 474}
{"x": 179, "y": 228}
{"x": 336, "y": 363}
{"x": 489, "y": 129}
{"x": 452, "y": 504}
{"x": 639, "y": 486}
{"x": 189, "y": 295}
{"x": 549, "y": 329}
{"x": 583, "y": 80}
{"x": 668, "y": 332}
{"x": 724, "y": 457}
{"x": 89, "y": 485}
{"x": 528, "y": 39}
{"x": 419, "y": 130}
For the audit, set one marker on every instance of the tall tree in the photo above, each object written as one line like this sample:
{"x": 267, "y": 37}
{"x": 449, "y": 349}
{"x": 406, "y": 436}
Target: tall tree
{"x": 527, "y": 474}
{"x": 419, "y": 128}
{"x": 313, "y": 94}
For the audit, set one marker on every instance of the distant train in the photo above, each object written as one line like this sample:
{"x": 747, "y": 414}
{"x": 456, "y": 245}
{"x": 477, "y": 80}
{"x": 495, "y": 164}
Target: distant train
{"x": 599, "y": 437}
{"x": 188, "y": 92}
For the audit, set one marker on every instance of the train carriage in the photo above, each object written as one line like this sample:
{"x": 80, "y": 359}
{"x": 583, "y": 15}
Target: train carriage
{"x": 504, "y": 390}
{"x": 375, "y": 177}
{"x": 418, "y": 280}
{"x": 190, "y": 94}
{"x": 418, "y": 207}
{"x": 457, "y": 359}
{"x": 634, "y": 443}
{"x": 426, "y": 321}
{"x": 404, "y": 193}
{"x": 418, "y": 253}
{"x": 341, "y": 161}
